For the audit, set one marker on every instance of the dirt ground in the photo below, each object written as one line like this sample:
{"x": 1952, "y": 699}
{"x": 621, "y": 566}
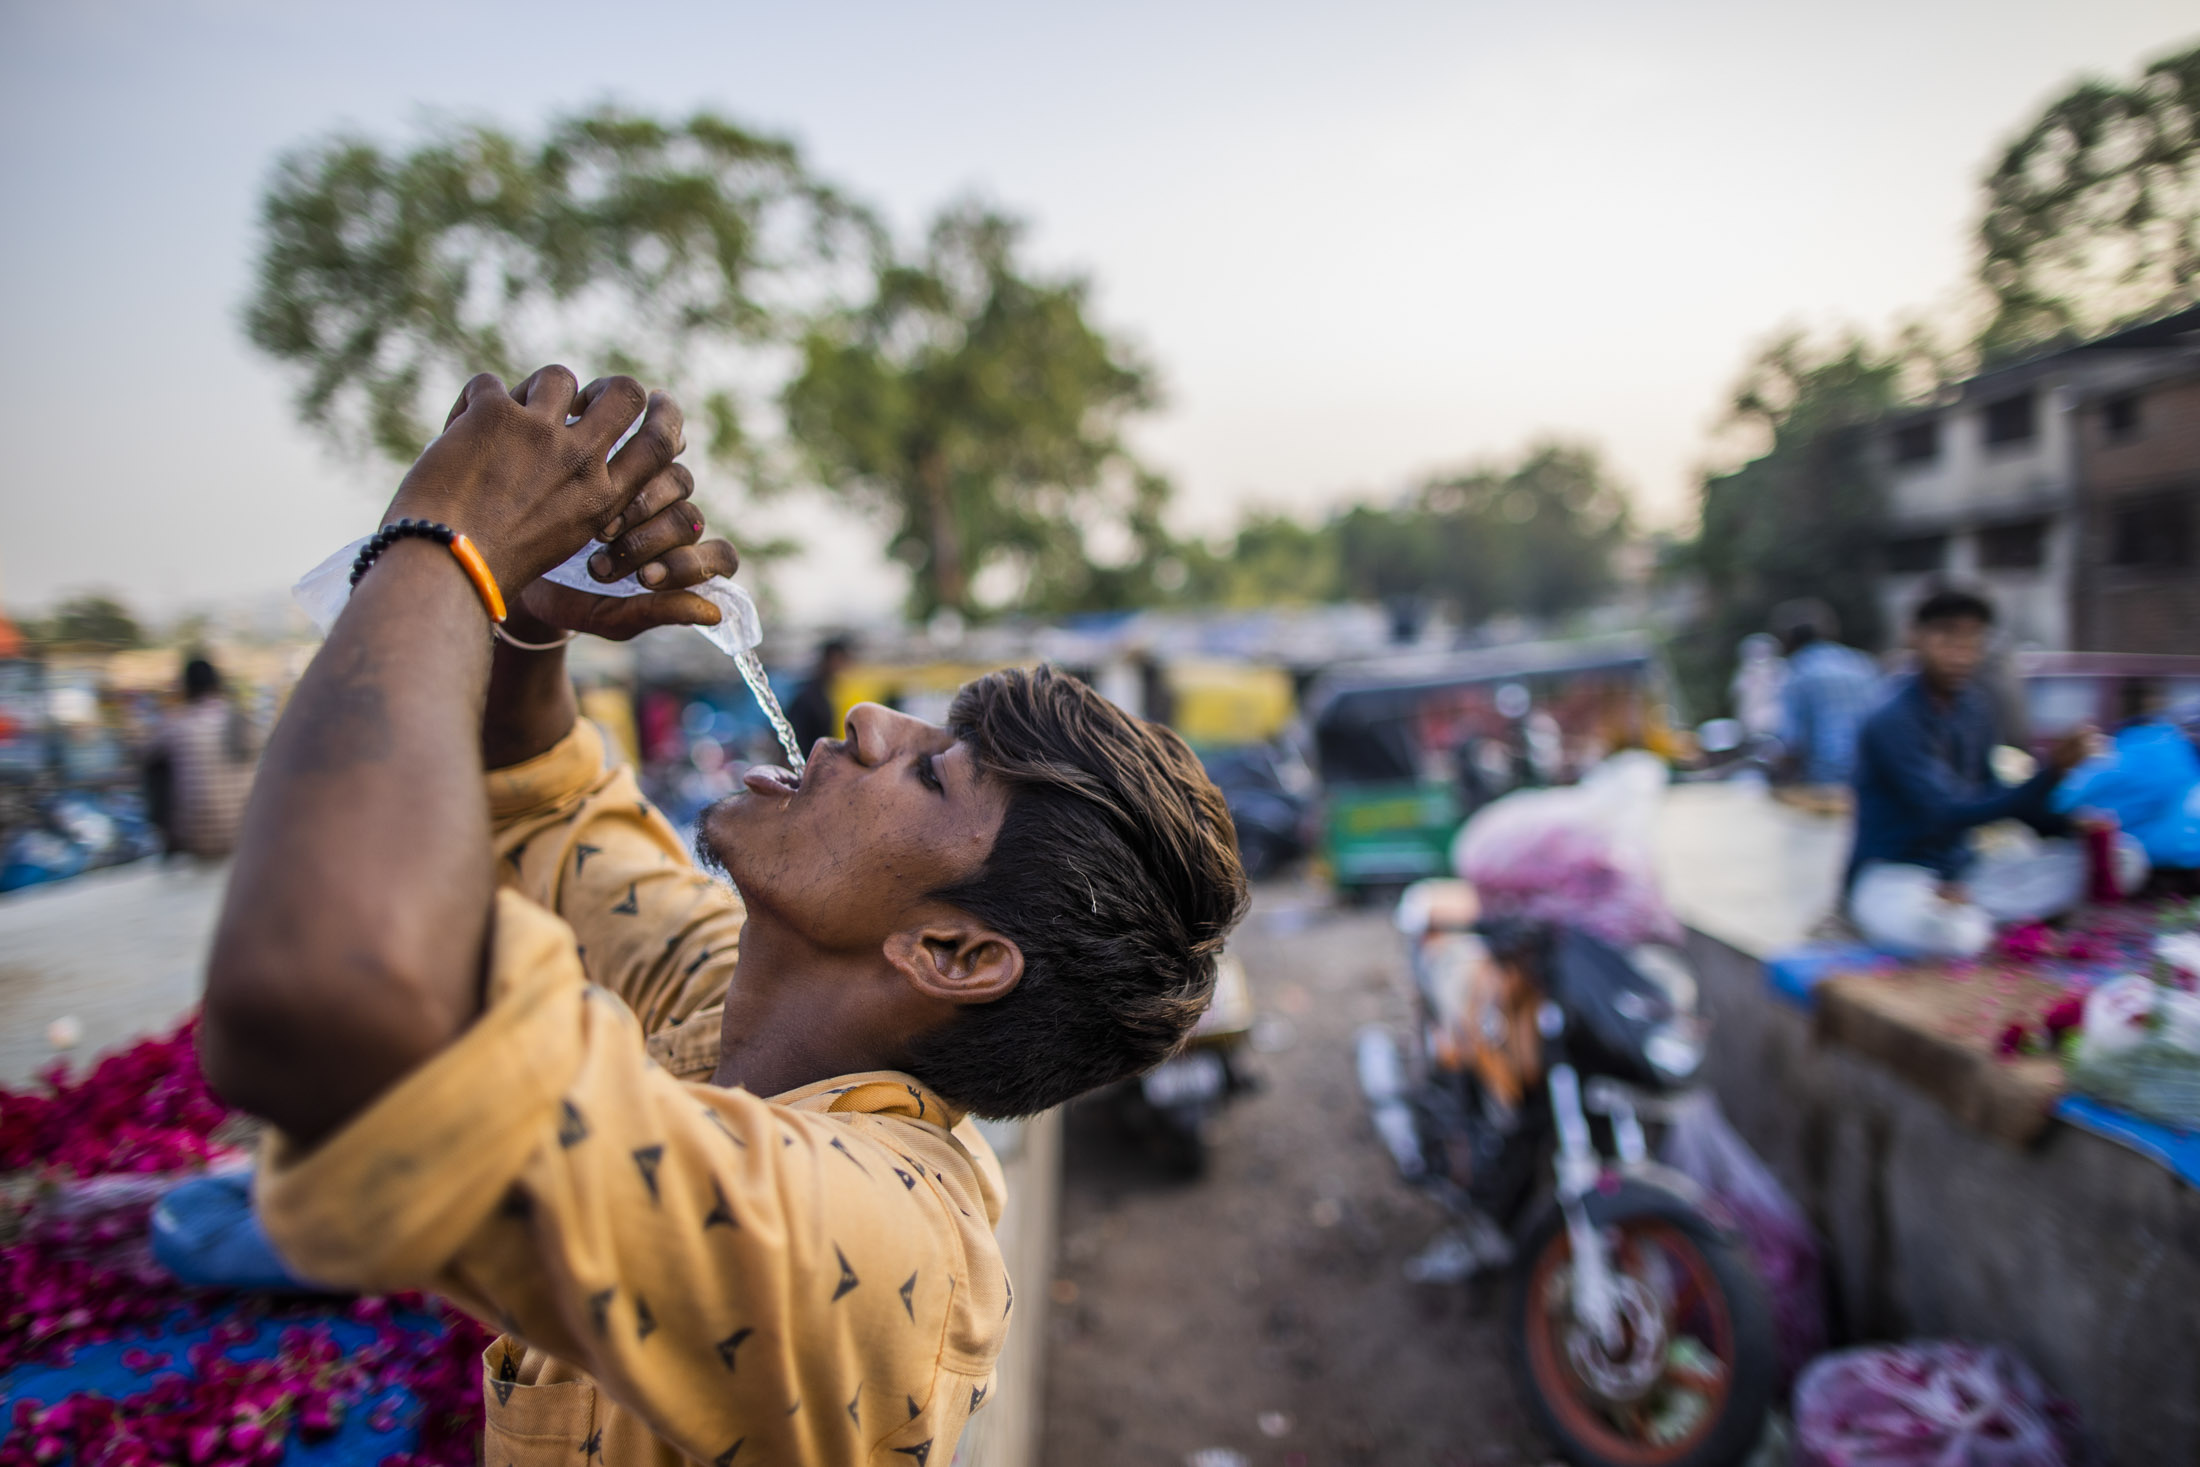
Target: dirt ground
{"x": 1262, "y": 1309}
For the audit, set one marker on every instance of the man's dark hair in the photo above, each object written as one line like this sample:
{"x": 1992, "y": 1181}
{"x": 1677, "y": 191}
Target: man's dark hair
{"x": 1803, "y": 621}
{"x": 833, "y": 647}
{"x": 1953, "y": 603}
{"x": 200, "y": 679}
{"x": 1115, "y": 871}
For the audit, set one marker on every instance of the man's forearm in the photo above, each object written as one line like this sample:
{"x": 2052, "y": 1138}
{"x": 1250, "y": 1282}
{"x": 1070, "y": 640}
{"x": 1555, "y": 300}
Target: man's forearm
{"x": 530, "y": 706}
{"x": 351, "y": 945}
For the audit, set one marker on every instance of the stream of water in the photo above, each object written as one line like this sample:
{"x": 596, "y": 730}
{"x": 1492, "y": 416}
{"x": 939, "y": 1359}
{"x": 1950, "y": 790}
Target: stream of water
{"x": 752, "y": 673}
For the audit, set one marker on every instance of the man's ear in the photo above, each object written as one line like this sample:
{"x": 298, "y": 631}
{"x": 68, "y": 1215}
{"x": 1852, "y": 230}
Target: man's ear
{"x": 961, "y": 963}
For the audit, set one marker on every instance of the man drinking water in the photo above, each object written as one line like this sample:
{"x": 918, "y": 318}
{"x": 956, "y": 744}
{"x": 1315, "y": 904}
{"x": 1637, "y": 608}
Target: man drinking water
{"x": 698, "y": 1150}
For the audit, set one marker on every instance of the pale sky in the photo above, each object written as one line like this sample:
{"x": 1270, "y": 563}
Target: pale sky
{"x": 1361, "y": 241}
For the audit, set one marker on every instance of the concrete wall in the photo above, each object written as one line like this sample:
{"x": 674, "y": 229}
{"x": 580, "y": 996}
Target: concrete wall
{"x": 2078, "y": 1255}
{"x": 1970, "y": 477}
{"x": 1971, "y": 483}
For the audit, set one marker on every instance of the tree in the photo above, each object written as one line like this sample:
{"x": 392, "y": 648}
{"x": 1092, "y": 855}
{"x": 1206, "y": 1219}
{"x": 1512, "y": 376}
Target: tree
{"x": 1803, "y": 516}
{"x": 1536, "y": 538}
{"x": 672, "y": 251}
{"x": 976, "y": 408}
{"x": 90, "y": 622}
{"x": 2093, "y": 215}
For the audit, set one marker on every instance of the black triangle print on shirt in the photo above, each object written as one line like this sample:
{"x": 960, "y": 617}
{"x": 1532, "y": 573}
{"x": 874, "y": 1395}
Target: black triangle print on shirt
{"x": 645, "y": 1323}
{"x": 711, "y": 1115}
{"x": 631, "y": 905}
{"x": 599, "y": 1308}
{"x": 920, "y": 1451}
{"x": 581, "y": 852}
{"x": 731, "y": 1345}
{"x": 908, "y": 1296}
{"x": 853, "y": 1402}
{"x": 914, "y": 1409}
{"x": 844, "y": 1151}
{"x": 847, "y": 1274}
{"x": 572, "y": 1130}
{"x": 725, "y": 1458}
{"x": 906, "y": 1180}
{"x": 721, "y": 1212}
{"x": 646, "y": 1160}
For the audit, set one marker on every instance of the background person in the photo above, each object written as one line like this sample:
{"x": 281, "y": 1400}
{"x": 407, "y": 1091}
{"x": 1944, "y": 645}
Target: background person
{"x": 812, "y": 711}
{"x": 1830, "y": 690}
{"x": 199, "y": 766}
{"x": 1925, "y": 781}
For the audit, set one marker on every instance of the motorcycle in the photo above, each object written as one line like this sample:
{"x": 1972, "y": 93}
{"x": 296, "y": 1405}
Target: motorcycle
{"x": 1168, "y": 1109}
{"x": 1543, "y": 1061}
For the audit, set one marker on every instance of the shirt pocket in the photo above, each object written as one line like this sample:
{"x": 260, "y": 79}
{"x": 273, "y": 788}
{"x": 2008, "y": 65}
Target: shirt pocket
{"x": 527, "y": 1425}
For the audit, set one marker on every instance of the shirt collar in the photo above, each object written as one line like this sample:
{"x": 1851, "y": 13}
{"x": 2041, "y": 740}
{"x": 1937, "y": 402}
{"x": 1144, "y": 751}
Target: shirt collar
{"x": 875, "y": 1092}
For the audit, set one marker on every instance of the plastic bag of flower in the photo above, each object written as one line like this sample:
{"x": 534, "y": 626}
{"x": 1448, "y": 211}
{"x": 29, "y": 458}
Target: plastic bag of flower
{"x": 2140, "y": 1049}
{"x": 1930, "y": 1403}
{"x": 1580, "y": 855}
{"x": 1703, "y": 1147}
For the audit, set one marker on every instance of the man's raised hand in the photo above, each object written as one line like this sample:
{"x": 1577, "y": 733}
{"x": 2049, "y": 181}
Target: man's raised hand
{"x": 528, "y": 488}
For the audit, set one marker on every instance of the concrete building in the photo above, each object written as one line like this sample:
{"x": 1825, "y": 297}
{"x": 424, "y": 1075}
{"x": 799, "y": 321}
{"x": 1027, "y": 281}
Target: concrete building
{"x": 2068, "y": 486}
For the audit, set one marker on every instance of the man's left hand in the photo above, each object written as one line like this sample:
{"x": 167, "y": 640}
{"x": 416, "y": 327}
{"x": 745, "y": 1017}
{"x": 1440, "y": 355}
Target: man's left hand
{"x": 671, "y": 555}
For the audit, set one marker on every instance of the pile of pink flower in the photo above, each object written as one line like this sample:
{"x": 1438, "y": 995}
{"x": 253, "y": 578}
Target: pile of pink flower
{"x": 141, "y": 1109}
{"x": 81, "y": 1163}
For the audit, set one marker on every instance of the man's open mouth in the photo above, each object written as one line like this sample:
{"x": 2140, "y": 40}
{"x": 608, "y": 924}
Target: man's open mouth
{"x": 771, "y": 779}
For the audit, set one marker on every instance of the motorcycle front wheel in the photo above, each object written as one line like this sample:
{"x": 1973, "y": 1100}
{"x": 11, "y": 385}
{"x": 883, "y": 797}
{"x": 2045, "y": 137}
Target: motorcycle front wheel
{"x": 1692, "y": 1377}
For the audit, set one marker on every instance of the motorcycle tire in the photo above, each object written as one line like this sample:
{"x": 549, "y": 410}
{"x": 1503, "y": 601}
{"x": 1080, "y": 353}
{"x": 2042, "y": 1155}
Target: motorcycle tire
{"x": 1664, "y": 1235}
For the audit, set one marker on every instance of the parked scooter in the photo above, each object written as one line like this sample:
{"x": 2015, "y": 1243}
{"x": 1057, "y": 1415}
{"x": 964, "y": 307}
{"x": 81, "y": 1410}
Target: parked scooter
{"x": 1169, "y": 1108}
{"x": 1542, "y": 1059}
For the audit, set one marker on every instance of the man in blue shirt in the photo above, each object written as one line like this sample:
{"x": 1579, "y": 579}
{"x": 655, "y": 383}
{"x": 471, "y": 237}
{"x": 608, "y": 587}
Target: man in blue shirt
{"x": 1830, "y": 691}
{"x": 1925, "y": 781}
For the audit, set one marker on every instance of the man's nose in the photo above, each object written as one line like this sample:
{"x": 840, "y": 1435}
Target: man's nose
{"x": 879, "y": 733}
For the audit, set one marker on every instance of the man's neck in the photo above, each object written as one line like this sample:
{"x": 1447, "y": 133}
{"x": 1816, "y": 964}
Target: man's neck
{"x": 1943, "y": 694}
{"x": 788, "y": 1022}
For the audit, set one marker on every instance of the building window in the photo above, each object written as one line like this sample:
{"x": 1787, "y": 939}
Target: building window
{"x": 2010, "y": 420}
{"x": 2120, "y": 417}
{"x": 1917, "y": 443}
{"x": 2021, "y": 546}
{"x": 2151, "y": 533}
{"x": 1917, "y": 555}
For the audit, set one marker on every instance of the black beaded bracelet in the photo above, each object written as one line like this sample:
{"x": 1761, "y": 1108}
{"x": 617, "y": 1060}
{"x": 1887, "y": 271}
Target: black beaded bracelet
{"x": 390, "y": 534}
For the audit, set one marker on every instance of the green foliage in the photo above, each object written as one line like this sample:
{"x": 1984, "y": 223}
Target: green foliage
{"x": 2093, "y": 215}
{"x": 1803, "y": 517}
{"x": 1537, "y": 538}
{"x": 87, "y": 623}
{"x": 974, "y": 407}
{"x": 672, "y": 251}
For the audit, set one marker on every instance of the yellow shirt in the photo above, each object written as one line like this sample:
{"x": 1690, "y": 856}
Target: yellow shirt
{"x": 682, "y": 1272}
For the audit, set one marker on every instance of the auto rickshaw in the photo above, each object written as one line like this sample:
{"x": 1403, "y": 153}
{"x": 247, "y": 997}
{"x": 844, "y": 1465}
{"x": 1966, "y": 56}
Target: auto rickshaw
{"x": 1408, "y": 747}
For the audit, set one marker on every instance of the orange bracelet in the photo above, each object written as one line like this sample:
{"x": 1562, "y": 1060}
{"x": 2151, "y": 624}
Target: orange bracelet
{"x": 469, "y": 559}
{"x": 477, "y": 571}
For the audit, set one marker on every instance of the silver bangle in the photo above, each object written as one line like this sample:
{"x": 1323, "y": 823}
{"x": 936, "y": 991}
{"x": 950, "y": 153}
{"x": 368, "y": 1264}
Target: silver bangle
{"x": 511, "y": 641}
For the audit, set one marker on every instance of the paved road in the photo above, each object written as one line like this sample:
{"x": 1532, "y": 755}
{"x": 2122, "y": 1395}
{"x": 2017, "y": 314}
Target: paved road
{"x": 1182, "y": 1315}
{"x": 122, "y": 951}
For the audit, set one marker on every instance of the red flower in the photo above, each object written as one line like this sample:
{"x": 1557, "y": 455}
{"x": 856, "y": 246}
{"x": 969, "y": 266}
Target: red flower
{"x": 2066, "y": 1014}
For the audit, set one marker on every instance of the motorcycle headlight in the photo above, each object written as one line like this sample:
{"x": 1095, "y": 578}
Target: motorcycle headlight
{"x": 1673, "y": 1053}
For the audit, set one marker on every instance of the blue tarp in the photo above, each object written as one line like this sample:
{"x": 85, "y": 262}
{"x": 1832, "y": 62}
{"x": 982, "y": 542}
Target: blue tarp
{"x": 1794, "y": 975}
{"x": 99, "y": 1369}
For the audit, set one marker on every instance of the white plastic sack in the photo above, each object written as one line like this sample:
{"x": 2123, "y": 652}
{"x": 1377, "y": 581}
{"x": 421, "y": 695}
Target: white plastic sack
{"x": 1582, "y": 854}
